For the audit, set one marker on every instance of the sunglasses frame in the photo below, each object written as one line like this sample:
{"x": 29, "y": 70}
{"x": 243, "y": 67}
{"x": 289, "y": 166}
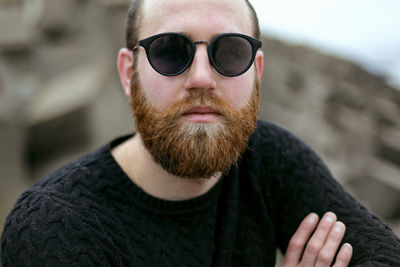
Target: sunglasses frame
{"x": 146, "y": 43}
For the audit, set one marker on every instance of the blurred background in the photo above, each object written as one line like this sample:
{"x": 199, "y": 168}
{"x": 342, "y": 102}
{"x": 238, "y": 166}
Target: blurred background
{"x": 332, "y": 77}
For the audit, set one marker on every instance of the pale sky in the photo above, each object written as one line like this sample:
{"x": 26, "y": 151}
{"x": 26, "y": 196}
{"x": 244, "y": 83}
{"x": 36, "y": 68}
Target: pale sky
{"x": 366, "y": 31}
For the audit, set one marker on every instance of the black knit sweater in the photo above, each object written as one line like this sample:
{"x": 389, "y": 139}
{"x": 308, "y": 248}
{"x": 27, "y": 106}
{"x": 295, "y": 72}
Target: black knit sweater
{"x": 89, "y": 213}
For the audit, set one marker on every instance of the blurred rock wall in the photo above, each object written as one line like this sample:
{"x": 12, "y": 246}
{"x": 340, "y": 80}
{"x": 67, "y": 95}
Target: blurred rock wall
{"x": 59, "y": 91}
{"x": 60, "y": 97}
{"x": 347, "y": 115}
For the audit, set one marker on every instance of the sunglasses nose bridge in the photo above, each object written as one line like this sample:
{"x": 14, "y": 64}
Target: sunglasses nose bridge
{"x": 200, "y": 73}
{"x": 200, "y": 42}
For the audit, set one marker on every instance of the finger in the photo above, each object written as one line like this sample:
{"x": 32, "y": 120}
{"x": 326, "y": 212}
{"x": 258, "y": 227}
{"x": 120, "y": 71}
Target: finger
{"x": 299, "y": 240}
{"x": 344, "y": 256}
{"x": 318, "y": 239}
{"x": 328, "y": 251}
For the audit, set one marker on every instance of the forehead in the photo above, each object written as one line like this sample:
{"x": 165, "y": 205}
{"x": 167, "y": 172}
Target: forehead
{"x": 197, "y": 17}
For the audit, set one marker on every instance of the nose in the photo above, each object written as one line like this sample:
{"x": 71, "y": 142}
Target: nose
{"x": 200, "y": 74}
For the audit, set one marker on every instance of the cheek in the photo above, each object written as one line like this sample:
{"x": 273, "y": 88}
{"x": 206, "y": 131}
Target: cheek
{"x": 161, "y": 91}
{"x": 238, "y": 91}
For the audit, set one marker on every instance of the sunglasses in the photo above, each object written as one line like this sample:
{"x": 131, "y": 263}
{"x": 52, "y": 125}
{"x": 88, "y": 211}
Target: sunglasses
{"x": 170, "y": 54}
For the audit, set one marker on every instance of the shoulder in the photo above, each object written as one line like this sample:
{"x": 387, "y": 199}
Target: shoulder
{"x": 270, "y": 135}
{"x": 277, "y": 159}
{"x": 70, "y": 180}
{"x": 71, "y": 186}
{"x": 272, "y": 142}
{"x": 51, "y": 219}
{"x": 38, "y": 224}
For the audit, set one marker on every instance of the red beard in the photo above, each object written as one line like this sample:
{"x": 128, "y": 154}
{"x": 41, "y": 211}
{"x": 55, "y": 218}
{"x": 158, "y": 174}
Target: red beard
{"x": 194, "y": 150}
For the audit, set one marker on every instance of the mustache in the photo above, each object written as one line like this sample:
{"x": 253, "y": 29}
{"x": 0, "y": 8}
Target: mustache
{"x": 196, "y": 99}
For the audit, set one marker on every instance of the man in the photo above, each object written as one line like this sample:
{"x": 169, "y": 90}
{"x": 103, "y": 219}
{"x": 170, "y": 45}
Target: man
{"x": 202, "y": 182}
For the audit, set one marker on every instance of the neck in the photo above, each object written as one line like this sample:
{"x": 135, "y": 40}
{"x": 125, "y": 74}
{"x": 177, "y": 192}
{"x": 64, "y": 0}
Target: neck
{"x": 138, "y": 164}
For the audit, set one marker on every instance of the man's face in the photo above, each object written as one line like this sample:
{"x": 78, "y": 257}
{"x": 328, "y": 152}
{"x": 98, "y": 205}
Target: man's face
{"x": 200, "y": 20}
{"x": 197, "y": 123}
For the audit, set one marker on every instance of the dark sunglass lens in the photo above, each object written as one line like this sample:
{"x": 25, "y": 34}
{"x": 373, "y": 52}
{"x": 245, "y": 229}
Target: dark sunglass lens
{"x": 170, "y": 54}
{"x": 232, "y": 54}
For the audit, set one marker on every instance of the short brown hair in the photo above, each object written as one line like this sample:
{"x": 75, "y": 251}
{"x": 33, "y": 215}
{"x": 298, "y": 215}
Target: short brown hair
{"x": 134, "y": 19}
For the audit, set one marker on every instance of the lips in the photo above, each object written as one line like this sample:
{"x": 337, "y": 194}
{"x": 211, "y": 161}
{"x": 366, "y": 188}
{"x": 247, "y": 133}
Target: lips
{"x": 202, "y": 114}
{"x": 201, "y": 110}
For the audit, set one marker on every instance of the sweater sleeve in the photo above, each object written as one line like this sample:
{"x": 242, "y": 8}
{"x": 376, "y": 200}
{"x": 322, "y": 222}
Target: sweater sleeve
{"x": 41, "y": 230}
{"x": 300, "y": 183}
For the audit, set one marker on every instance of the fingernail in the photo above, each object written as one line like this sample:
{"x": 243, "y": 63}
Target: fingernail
{"x": 347, "y": 247}
{"x": 339, "y": 227}
{"x": 312, "y": 217}
{"x": 330, "y": 217}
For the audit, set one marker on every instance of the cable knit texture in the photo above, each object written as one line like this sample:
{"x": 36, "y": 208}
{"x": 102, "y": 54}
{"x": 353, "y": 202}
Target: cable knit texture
{"x": 89, "y": 213}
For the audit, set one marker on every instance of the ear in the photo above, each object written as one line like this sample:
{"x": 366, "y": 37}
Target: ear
{"x": 125, "y": 67}
{"x": 259, "y": 63}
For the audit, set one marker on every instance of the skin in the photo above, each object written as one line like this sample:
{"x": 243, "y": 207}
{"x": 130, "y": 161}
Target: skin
{"x": 319, "y": 248}
{"x": 215, "y": 17}
{"x": 183, "y": 16}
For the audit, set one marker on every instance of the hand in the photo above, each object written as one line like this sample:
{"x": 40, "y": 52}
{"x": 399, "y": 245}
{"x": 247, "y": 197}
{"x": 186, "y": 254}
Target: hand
{"x": 321, "y": 248}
